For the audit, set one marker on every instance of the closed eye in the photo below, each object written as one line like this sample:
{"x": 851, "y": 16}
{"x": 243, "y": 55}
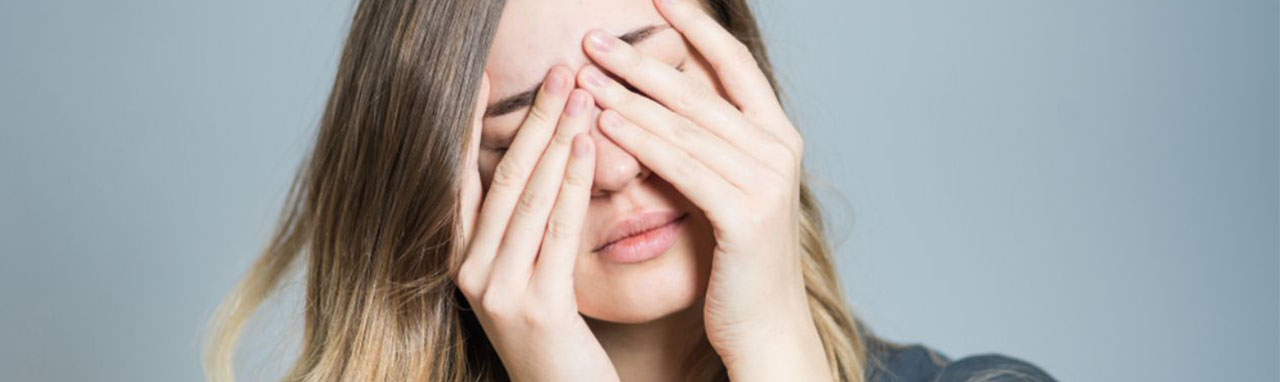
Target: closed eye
{"x": 498, "y": 148}
{"x": 503, "y": 149}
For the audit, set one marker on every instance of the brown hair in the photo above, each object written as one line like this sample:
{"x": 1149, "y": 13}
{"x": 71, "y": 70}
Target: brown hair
{"x": 373, "y": 212}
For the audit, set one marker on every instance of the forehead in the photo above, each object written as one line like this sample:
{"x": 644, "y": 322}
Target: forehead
{"x": 534, "y": 35}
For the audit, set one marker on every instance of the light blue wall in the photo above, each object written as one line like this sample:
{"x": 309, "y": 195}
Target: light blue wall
{"x": 1090, "y": 185}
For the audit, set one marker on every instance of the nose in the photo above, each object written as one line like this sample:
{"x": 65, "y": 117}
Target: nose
{"x": 616, "y": 169}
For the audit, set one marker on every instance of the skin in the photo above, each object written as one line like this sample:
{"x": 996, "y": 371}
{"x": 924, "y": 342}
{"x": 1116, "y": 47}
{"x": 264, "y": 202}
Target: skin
{"x": 535, "y": 36}
{"x": 616, "y": 129}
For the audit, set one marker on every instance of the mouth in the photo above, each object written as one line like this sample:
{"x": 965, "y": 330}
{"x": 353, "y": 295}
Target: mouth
{"x": 641, "y": 237}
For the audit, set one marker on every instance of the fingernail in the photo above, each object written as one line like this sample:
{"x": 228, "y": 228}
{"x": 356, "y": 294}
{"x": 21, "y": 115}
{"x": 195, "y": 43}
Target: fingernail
{"x": 577, "y": 102}
{"x": 593, "y": 77}
{"x": 554, "y": 82}
{"x": 600, "y": 41}
{"x": 581, "y": 145}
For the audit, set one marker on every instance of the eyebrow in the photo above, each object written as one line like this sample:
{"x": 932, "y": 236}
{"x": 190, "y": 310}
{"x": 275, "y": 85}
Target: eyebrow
{"x": 525, "y": 98}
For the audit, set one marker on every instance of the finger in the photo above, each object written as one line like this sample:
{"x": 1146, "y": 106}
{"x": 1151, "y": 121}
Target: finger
{"x": 469, "y": 193}
{"x": 732, "y": 61}
{"x": 524, "y": 234}
{"x": 513, "y": 170}
{"x": 560, "y": 244}
{"x": 730, "y": 160}
{"x": 705, "y": 188}
{"x": 681, "y": 93}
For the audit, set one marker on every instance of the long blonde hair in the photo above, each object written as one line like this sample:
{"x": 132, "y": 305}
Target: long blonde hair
{"x": 373, "y": 212}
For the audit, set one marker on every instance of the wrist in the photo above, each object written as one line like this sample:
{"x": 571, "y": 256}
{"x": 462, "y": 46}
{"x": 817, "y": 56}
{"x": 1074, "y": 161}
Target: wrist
{"x": 790, "y": 352}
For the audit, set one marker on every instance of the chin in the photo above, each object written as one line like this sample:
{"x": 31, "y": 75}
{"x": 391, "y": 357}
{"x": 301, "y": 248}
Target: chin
{"x": 650, "y": 290}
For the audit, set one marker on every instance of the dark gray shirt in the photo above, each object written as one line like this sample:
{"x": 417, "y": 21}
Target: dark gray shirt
{"x": 917, "y": 363}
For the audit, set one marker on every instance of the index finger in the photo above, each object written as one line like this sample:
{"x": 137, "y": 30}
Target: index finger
{"x": 731, "y": 60}
{"x": 515, "y": 167}
{"x": 560, "y": 243}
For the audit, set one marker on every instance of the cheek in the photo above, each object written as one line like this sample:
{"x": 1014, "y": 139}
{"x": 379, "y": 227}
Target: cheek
{"x": 487, "y": 163}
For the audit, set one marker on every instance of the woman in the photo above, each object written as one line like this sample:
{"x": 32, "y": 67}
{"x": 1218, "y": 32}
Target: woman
{"x": 563, "y": 190}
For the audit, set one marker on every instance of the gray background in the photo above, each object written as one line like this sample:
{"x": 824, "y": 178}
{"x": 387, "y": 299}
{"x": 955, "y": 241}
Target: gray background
{"x": 1091, "y": 185}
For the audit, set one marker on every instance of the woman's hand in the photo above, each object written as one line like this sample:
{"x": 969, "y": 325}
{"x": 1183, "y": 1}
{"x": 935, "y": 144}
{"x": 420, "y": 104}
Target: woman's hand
{"x": 740, "y": 163}
{"x": 522, "y": 241}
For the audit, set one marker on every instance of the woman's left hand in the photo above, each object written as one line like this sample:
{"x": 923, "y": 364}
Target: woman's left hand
{"x": 739, "y": 160}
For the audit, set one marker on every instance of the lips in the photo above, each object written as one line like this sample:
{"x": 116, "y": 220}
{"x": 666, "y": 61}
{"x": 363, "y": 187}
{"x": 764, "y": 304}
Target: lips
{"x": 641, "y": 237}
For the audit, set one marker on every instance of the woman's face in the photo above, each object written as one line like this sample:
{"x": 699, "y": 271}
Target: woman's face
{"x": 644, "y": 276}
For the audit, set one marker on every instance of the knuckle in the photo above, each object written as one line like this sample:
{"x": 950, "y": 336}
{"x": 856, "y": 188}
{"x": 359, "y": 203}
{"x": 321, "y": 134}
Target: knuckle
{"x": 767, "y": 181}
{"x": 692, "y": 95}
{"x": 793, "y": 140}
{"x": 560, "y": 230}
{"x": 632, "y": 61}
{"x": 628, "y": 99}
{"x": 755, "y": 115}
{"x": 468, "y": 281}
{"x": 685, "y": 129}
{"x": 509, "y": 173}
{"x": 643, "y": 140}
{"x": 576, "y": 180}
{"x": 740, "y": 54}
{"x": 529, "y": 201}
{"x": 776, "y": 188}
{"x": 563, "y": 138}
{"x": 686, "y": 168}
{"x": 495, "y": 304}
{"x": 737, "y": 54}
{"x": 538, "y": 116}
{"x": 729, "y": 223}
{"x": 781, "y": 154}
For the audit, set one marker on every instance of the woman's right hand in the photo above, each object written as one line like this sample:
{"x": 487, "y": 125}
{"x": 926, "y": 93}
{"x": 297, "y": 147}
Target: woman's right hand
{"x": 522, "y": 240}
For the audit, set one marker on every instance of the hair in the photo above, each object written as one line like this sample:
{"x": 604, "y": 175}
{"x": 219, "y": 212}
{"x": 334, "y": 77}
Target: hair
{"x": 373, "y": 212}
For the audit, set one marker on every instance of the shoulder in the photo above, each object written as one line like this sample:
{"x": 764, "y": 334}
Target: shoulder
{"x": 889, "y": 362}
{"x": 992, "y": 368}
